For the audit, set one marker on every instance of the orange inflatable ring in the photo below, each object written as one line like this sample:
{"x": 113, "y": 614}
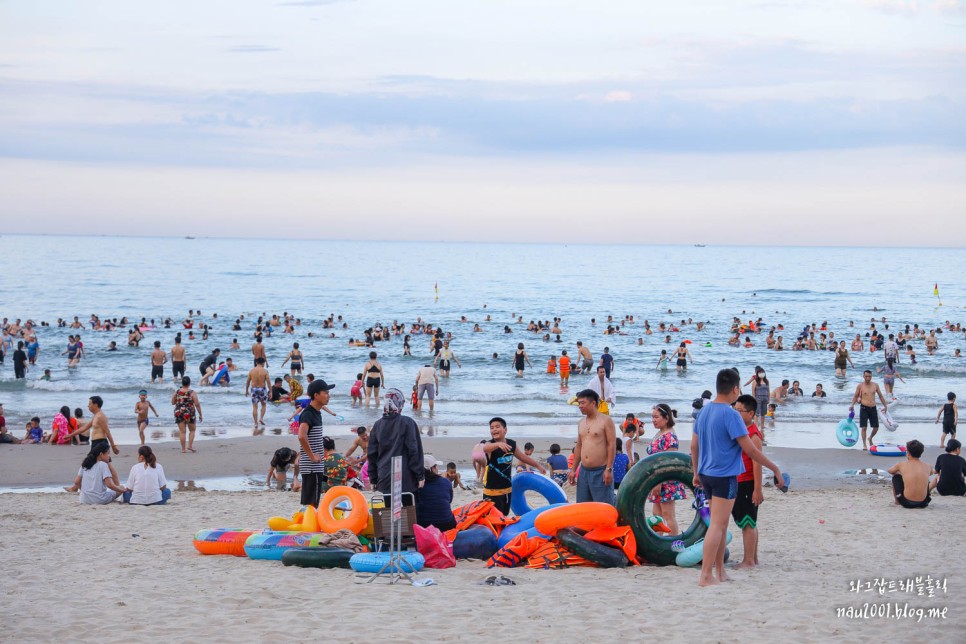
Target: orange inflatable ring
{"x": 223, "y": 541}
{"x": 585, "y": 516}
{"x": 355, "y": 520}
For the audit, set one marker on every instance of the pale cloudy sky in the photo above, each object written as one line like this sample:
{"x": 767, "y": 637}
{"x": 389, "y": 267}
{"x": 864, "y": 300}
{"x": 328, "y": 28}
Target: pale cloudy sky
{"x": 762, "y": 122}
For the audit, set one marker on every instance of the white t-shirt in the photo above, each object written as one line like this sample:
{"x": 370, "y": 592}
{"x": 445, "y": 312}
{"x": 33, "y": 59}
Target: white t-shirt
{"x": 146, "y": 482}
{"x": 427, "y": 376}
{"x": 93, "y": 490}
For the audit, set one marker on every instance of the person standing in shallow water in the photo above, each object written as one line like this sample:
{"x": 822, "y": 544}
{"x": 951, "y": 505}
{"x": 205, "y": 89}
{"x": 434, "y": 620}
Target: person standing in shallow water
{"x": 375, "y": 377}
{"x": 518, "y": 359}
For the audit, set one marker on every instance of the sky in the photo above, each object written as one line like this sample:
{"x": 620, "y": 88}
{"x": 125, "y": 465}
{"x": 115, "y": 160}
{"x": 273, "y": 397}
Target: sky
{"x": 768, "y": 122}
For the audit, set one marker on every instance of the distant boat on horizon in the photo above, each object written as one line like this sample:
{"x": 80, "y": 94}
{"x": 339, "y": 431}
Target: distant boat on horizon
{"x": 187, "y": 237}
{"x": 699, "y": 245}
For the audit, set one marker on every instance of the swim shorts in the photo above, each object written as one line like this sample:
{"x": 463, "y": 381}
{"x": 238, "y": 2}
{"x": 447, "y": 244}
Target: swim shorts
{"x": 682, "y": 362}
{"x": 372, "y": 382}
{"x": 157, "y": 371}
{"x": 591, "y": 486}
{"x": 259, "y": 395}
{"x": 177, "y": 368}
{"x": 949, "y": 428}
{"x": 429, "y": 389}
{"x": 744, "y": 512}
{"x": 145, "y": 421}
{"x": 586, "y": 365}
{"x": 444, "y": 365}
{"x": 723, "y": 487}
{"x": 868, "y": 416}
{"x": 899, "y": 487}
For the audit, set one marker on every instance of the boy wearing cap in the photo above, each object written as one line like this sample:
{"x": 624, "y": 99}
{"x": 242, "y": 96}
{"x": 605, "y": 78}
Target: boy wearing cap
{"x": 311, "y": 444}
{"x": 141, "y": 408}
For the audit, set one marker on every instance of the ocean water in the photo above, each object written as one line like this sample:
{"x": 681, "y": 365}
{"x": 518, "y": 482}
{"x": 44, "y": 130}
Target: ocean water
{"x": 47, "y": 277}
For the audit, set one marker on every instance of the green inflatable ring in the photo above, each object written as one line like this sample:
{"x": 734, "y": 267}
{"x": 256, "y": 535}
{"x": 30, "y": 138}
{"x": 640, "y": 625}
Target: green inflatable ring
{"x": 317, "y": 557}
{"x": 632, "y": 497}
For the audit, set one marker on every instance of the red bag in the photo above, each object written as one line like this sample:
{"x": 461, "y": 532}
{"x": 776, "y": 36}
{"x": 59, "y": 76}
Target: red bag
{"x": 434, "y": 547}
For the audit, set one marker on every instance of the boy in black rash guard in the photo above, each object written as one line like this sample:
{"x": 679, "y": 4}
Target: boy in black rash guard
{"x": 951, "y": 471}
{"x": 499, "y": 465}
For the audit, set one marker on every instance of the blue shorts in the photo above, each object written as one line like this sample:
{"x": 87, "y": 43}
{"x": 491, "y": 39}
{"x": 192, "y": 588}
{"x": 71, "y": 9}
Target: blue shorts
{"x": 591, "y": 486}
{"x": 723, "y": 487}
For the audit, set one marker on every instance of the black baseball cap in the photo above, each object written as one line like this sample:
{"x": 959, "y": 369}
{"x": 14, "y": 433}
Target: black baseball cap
{"x": 318, "y": 385}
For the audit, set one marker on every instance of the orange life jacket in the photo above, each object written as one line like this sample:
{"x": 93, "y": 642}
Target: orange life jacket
{"x": 516, "y": 551}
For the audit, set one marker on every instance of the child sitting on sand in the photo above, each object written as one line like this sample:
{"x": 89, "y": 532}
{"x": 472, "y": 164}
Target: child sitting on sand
{"x": 454, "y": 476}
{"x": 910, "y": 478}
{"x": 34, "y": 434}
{"x": 950, "y": 479}
{"x": 558, "y": 465}
{"x": 528, "y": 450}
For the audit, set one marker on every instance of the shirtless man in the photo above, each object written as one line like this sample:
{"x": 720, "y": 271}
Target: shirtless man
{"x": 586, "y": 357}
{"x": 865, "y": 393}
{"x": 910, "y": 478}
{"x": 361, "y": 443}
{"x": 177, "y": 360}
{"x": 259, "y": 382}
{"x": 932, "y": 343}
{"x": 141, "y": 408}
{"x": 780, "y": 394}
{"x": 258, "y": 351}
{"x": 594, "y": 452}
{"x": 158, "y": 358}
{"x": 100, "y": 432}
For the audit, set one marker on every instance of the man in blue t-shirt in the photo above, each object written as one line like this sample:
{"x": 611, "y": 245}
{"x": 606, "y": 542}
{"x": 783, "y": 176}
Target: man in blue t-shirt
{"x": 716, "y": 445}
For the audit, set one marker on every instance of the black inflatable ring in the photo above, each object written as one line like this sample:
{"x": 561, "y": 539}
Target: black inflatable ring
{"x": 632, "y": 497}
{"x": 603, "y": 556}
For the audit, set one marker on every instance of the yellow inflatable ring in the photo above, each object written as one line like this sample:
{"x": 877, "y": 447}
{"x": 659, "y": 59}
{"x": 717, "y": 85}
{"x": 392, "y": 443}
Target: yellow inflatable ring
{"x": 355, "y": 520}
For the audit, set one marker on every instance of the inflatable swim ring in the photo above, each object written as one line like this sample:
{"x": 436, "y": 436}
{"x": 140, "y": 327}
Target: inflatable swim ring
{"x": 692, "y": 555}
{"x": 317, "y": 557}
{"x": 603, "y": 556}
{"x": 357, "y": 518}
{"x": 888, "y": 422}
{"x": 223, "y": 541}
{"x": 585, "y": 516}
{"x": 533, "y": 482}
{"x": 846, "y": 432}
{"x": 476, "y": 542}
{"x": 222, "y": 373}
{"x": 525, "y": 524}
{"x": 271, "y": 545}
{"x": 376, "y": 561}
{"x": 887, "y": 450}
{"x": 632, "y": 498}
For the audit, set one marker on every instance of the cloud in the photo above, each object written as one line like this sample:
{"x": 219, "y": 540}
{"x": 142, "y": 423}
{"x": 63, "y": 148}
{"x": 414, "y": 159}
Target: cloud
{"x": 617, "y": 96}
{"x": 252, "y": 49}
{"x": 310, "y": 3}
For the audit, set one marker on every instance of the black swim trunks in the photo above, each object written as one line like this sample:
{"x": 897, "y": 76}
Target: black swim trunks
{"x": 868, "y": 416}
{"x": 177, "y": 368}
{"x": 157, "y": 371}
{"x": 744, "y": 512}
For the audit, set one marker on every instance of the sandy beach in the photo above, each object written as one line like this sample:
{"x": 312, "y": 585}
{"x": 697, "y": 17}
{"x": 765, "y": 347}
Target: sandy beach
{"x": 120, "y": 572}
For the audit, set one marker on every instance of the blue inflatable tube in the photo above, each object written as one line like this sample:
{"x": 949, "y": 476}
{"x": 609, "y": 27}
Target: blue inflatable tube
{"x": 376, "y": 561}
{"x": 476, "y": 542}
{"x": 222, "y": 373}
{"x": 533, "y": 482}
{"x": 525, "y": 524}
{"x": 846, "y": 432}
{"x": 693, "y": 554}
